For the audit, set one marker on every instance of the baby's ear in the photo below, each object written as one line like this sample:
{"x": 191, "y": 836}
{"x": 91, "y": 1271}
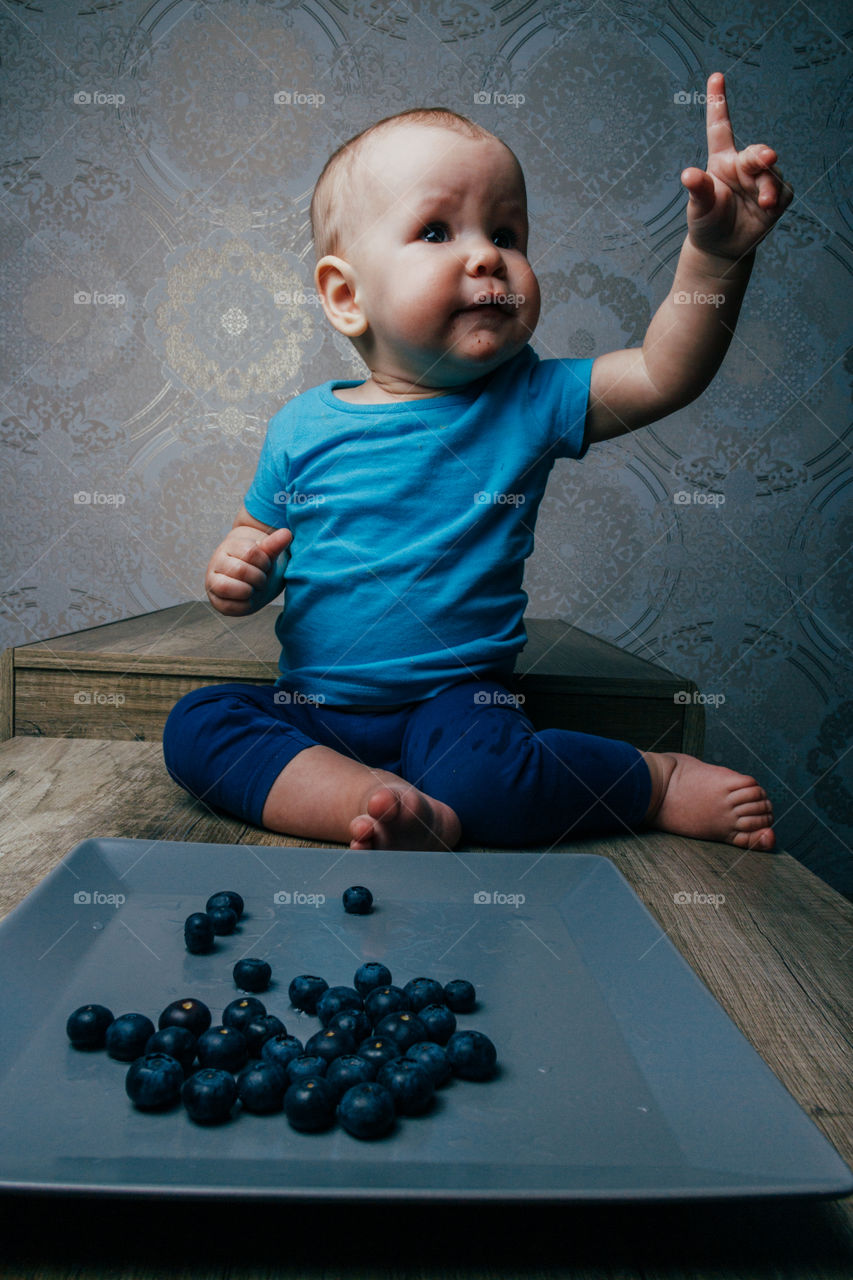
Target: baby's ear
{"x": 335, "y": 281}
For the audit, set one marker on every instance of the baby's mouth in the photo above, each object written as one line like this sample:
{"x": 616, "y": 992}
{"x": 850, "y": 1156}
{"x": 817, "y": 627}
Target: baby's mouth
{"x": 486, "y": 303}
{"x": 498, "y": 300}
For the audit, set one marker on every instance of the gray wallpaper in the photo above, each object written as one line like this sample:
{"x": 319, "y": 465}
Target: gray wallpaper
{"x": 158, "y": 158}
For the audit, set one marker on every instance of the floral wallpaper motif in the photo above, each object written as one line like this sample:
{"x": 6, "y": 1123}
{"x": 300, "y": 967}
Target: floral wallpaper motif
{"x": 156, "y": 271}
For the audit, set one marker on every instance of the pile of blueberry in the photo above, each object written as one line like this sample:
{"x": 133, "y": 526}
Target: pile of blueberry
{"x": 382, "y": 1050}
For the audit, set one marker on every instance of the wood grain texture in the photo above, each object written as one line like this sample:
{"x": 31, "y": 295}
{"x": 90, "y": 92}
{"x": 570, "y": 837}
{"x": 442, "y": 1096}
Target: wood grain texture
{"x": 7, "y": 694}
{"x": 773, "y": 954}
{"x": 121, "y": 680}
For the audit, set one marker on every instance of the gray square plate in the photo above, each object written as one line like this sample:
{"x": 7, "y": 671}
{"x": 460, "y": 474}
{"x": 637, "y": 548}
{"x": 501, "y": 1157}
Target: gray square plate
{"x": 621, "y": 1078}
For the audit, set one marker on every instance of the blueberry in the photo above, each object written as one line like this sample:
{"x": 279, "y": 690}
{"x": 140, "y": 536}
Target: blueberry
{"x": 383, "y": 1000}
{"x": 242, "y": 1010}
{"x": 423, "y": 991}
{"x": 305, "y": 991}
{"x": 330, "y": 1043}
{"x": 226, "y": 898}
{"x": 335, "y": 1000}
{"x": 189, "y": 1013}
{"x": 369, "y": 975}
{"x": 209, "y": 1095}
{"x": 223, "y": 1048}
{"x": 261, "y": 1028}
{"x": 128, "y": 1035}
{"x": 281, "y": 1049}
{"x": 355, "y": 1021}
{"x": 154, "y": 1081}
{"x": 472, "y": 1055}
{"x": 310, "y": 1104}
{"x": 409, "y": 1084}
{"x": 406, "y": 1028}
{"x": 252, "y": 974}
{"x": 177, "y": 1042}
{"x": 261, "y": 1087}
{"x": 344, "y": 1072}
{"x": 223, "y": 919}
{"x": 198, "y": 933}
{"x": 87, "y": 1026}
{"x": 305, "y": 1067}
{"x": 358, "y": 901}
{"x": 379, "y": 1050}
{"x": 460, "y": 996}
{"x": 366, "y": 1110}
{"x": 433, "y": 1059}
{"x": 438, "y": 1022}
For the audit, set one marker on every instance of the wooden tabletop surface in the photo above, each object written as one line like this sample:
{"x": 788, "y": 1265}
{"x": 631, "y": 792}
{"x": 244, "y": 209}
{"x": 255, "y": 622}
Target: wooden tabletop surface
{"x": 776, "y": 955}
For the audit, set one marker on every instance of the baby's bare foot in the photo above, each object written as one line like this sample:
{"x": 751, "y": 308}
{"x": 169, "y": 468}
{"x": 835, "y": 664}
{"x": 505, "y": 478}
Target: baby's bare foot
{"x": 401, "y": 817}
{"x": 707, "y": 801}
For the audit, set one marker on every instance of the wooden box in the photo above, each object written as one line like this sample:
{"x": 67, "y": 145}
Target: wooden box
{"x": 121, "y": 680}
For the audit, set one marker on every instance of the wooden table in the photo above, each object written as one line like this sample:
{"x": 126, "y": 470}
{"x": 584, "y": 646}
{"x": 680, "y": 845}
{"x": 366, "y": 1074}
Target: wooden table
{"x": 776, "y": 956}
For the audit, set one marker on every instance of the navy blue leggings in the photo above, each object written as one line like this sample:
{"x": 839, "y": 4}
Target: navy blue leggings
{"x": 470, "y": 746}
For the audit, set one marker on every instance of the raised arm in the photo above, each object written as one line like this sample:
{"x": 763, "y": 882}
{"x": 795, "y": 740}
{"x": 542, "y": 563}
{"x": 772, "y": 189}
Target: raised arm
{"x": 245, "y": 571}
{"x": 732, "y": 206}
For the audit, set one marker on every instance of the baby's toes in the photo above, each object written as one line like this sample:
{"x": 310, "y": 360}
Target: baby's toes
{"x": 747, "y": 795}
{"x": 384, "y": 804}
{"x": 361, "y": 832}
{"x": 751, "y": 821}
{"x": 755, "y": 809}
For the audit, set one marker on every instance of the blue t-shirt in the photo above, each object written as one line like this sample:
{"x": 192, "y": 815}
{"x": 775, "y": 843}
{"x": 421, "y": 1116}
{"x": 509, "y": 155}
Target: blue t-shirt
{"x": 411, "y": 523}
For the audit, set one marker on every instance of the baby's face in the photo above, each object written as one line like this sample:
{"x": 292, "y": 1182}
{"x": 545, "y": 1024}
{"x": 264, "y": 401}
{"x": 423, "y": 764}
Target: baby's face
{"x": 438, "y": 244}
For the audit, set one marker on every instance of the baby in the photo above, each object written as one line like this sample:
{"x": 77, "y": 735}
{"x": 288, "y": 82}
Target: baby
{"x": 400, "y": 510}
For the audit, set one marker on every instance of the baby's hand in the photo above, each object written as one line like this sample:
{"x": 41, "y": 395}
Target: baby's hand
{"x": 241, "y": 574}
{"x": 735, "y": 203}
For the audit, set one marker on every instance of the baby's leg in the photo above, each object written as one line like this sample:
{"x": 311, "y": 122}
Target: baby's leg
{"x": 511, "y": 785}
{"x": 248, "y": 751}
{"x": 323, "y": 795}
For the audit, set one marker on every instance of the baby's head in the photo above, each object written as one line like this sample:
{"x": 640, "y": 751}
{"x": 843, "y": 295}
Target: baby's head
{"x": 420, "y": 229}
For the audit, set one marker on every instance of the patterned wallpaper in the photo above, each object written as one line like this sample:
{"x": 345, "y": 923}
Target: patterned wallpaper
{"x": 158, "y": 159}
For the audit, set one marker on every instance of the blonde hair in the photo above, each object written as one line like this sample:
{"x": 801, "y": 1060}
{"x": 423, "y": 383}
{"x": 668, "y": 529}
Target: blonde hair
{"x": 334, "y": 187}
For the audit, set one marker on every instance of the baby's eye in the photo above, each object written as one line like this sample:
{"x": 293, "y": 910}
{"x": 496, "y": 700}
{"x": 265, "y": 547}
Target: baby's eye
{"x": 504, "y": 238}
{"x": 435, "y": 233}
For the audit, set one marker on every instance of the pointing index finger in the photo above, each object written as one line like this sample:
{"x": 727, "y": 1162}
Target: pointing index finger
{"x": 717, "y": 121}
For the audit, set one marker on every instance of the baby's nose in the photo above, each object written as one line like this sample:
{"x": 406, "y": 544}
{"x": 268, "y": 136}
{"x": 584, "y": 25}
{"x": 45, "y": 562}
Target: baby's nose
{"x": 485, "y": 259}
